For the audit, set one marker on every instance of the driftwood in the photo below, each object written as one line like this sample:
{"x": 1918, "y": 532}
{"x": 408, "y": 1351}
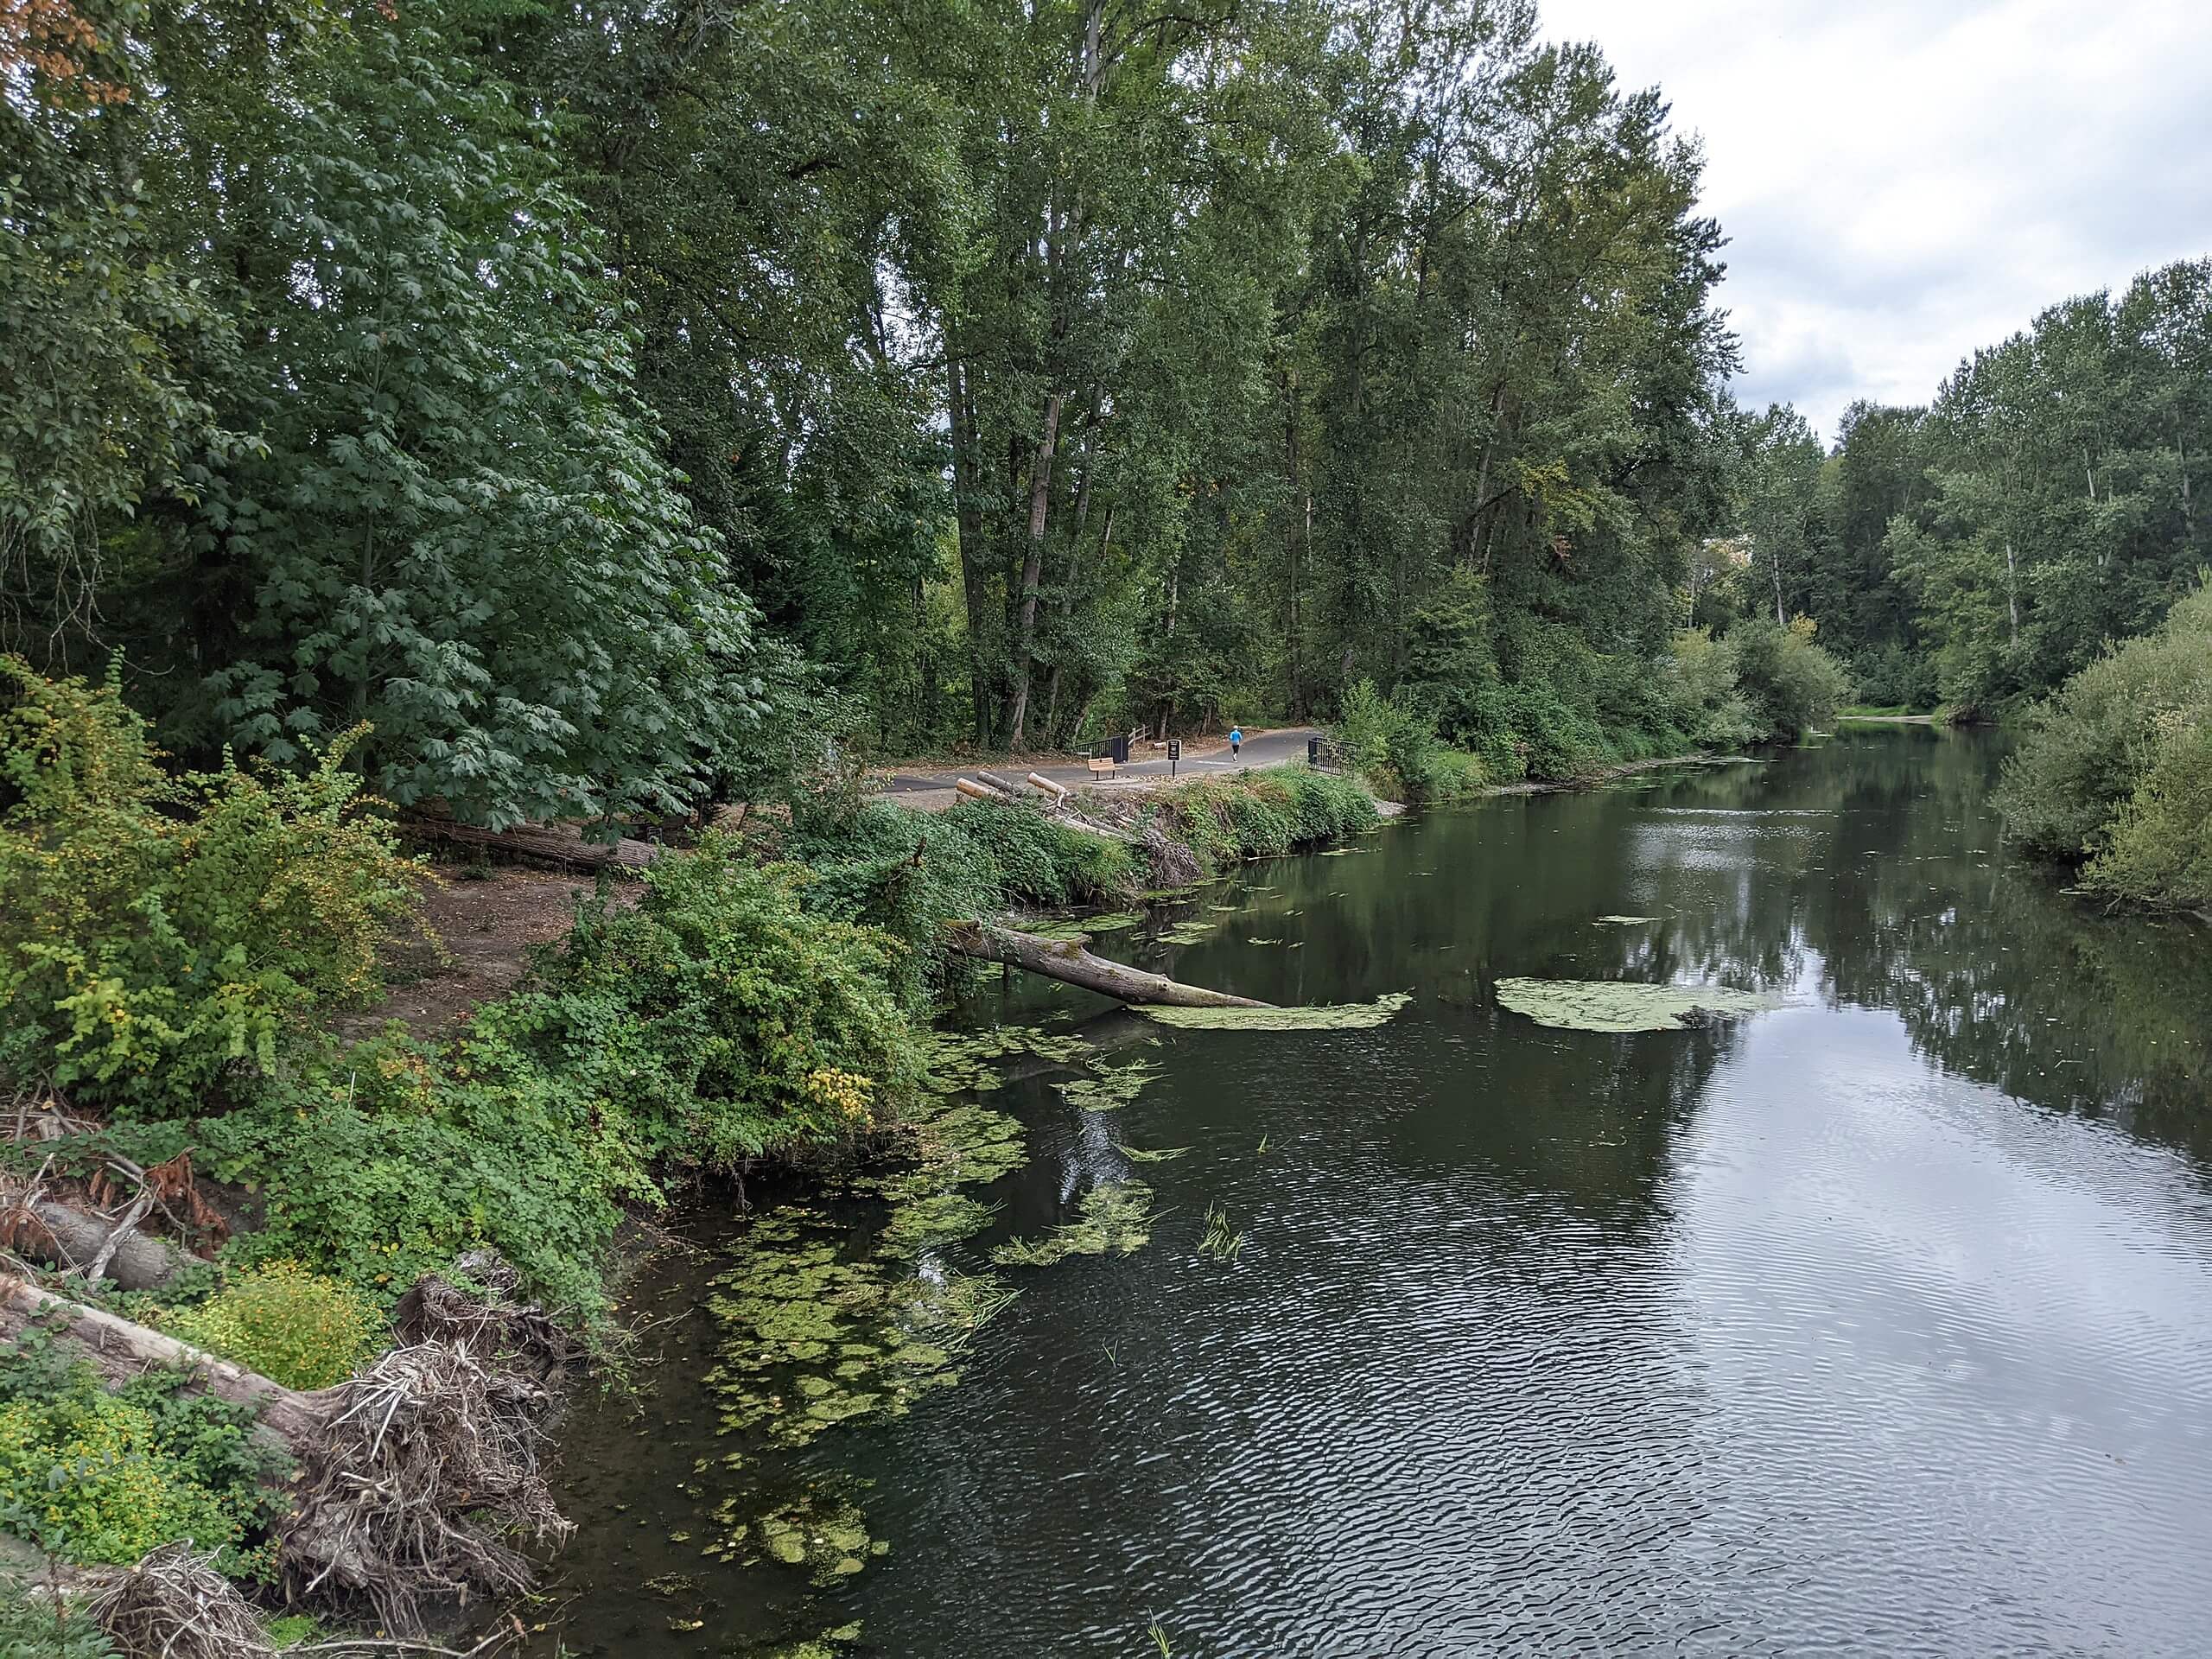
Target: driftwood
{"x": 565, "y": 849}
{"x": 1068, "y": 963}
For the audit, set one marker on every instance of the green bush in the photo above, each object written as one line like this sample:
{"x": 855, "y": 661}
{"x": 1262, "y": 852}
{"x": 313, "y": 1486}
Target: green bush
{"x": 2158, "y": 850}
{"x": 1392, "y": 746}
{"x": 1790, "y": 684}
{"x": 159, "y": 930}
{"x": 39, "y": 1630}
{"x": 2092, "y": 745}
{"x": 1708, "y": 705}
{"x": 294, "y": 1326}
{"x": 715, "y": 1021}
{"x": 101, "y": 1478}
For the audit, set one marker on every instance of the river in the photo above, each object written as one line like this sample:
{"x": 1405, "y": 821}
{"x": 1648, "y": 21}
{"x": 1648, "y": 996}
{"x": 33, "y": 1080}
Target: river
{"x": 1877, "y": 1323}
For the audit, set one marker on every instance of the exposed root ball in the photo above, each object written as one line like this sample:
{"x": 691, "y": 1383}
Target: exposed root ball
{"x": 174, "y": 1604}
{"x": 1168, "y": 863}
{"x": 429, "y": 1470}
{"x": 496, "y": 1327}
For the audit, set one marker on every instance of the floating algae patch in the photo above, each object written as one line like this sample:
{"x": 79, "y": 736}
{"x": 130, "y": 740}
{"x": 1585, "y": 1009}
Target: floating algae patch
{"x": 823, "y": 1533}
{"x": 1342, "y": 1016}
{"x": 1114, "y": 1087}
{"x": 1074, "y": 928}
{"x": 811, "y": 1339}
{"x": 961, "y": 1061}
{"x": 1190, "y": 932}
{"x": 1624, "y": 921}
{"x": 1621, "y": 1005}
{"x": 1114, "y": 1219}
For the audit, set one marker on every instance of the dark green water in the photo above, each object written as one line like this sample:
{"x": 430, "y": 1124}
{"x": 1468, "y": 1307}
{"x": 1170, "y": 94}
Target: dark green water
{"x": 1881, "y": 1323}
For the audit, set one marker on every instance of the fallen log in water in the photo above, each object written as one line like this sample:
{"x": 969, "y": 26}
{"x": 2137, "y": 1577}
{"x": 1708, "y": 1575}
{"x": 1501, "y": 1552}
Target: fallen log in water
{"x": 1068, "y": 963}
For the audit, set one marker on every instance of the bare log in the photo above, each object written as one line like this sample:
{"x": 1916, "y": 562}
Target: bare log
{"x": 1068, "y": 963}
{"x": 562, "y": 848}
{"x": 121, "y": 1350}
{"x": 134, "y": 1260}
{"x": 975, "y": 790}
{"x": 1038, "y": 780}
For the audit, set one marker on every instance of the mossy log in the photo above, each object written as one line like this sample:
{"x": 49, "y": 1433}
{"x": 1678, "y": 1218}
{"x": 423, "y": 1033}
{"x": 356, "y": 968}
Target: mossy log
{"x": 1068, "y": 963}
{"x": 563, "y": 848}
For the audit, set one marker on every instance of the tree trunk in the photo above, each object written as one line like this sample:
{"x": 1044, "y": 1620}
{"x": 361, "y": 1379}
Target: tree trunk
{"x": 135, "y": 1262}
{"x": 968, "y": 518}
{"x": 564, "y": 848}
{"x": 1068, "y": 963}
{"x": 1032, "y": 568}
{"x": 2013, "y": 592}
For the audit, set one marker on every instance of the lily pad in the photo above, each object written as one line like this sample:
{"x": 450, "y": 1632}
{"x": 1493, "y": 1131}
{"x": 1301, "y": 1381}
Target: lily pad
{"x": 1621, "y": 1005}
{"x": 1342, "y": 1016}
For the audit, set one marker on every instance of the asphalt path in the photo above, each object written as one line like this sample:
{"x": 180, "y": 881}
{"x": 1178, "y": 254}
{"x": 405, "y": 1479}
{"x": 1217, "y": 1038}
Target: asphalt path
{"x": 1260, "y": 749}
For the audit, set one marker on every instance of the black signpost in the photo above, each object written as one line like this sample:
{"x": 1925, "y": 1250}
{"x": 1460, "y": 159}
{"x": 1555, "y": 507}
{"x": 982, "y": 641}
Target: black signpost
{"x": 1174, "y": 753}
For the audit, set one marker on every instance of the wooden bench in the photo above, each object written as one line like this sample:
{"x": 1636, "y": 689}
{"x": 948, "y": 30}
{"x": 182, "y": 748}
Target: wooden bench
{"x": 1102, "y": 765}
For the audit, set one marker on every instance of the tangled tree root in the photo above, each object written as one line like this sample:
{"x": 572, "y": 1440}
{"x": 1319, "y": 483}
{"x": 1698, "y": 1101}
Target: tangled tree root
{"x": 495, "y": 1324}
{"x": 427, "y": 1468}
{"x": 174, "y": 1604}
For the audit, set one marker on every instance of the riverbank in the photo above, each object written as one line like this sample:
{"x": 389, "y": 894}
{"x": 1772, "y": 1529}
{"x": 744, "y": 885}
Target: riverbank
{"x": 758, "y": 1001}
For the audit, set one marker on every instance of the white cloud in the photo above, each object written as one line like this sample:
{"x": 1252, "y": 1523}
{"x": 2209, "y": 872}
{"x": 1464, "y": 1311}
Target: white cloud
{"x": 1904, "y": 181}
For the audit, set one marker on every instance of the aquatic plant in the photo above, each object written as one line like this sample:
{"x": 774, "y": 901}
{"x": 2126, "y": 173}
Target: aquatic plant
{"x": 1343, "y": 1016}
{"x": 959, "y": 1062}
{"x": 1624, "y": 921}
{"x": 1115, "y": 1219}
{"x": 1222, "y": 1242}
{"x": 820, "y": 1531}
{"x": 1621, "y": 1005}
{"x": 1141, "y": 1155}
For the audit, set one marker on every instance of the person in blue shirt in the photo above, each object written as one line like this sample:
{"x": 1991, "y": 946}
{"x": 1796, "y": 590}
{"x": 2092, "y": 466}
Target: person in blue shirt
{"x": 1236, "y": 741}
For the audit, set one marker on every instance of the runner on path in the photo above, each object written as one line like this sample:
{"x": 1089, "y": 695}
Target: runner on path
{"x": 1236, "y": 741}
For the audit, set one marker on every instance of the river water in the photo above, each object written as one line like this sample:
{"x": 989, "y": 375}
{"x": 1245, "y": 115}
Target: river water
{"x": 1881, "y": 1323}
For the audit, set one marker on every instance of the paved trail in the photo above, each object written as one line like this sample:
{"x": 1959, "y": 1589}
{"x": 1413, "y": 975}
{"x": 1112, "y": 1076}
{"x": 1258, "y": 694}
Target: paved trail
{"x": 1260, "y": 749}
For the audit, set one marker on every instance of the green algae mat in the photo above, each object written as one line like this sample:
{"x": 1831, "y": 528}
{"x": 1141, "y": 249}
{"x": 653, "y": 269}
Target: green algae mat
{"x": 1619, "y": 1005}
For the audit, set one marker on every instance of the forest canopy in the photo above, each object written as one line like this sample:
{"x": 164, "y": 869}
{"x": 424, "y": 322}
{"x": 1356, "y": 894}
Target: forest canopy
{"x": 614, "y": 407}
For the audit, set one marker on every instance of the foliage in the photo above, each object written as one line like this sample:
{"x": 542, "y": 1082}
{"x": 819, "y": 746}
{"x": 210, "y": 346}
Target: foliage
{"x": 37, "y": 1629}
{"x": 1264, "y": 814}
{"x": 1709, "y": 704}
{"x": 95, "y": 1476}
{"x": 2158, "y": 850}
{"x": 161, "y": 931}
{"x": 715, "y": 1021}
{"x": 1391, "y": 745}
{"x": 1789, "y": 684}
{"x": 295, "y": 1327}
{"x": 2111, "y": 768}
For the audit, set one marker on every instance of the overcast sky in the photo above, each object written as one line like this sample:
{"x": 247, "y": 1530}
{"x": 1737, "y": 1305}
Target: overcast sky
{"x": 1902, "y": 181}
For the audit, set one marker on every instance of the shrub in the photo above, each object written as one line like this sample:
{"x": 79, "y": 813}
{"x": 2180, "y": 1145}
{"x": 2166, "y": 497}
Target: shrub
{"x": 43, "y": 1629}
{"x": 294, "y": 1326}
{"x": 1790, "y": 684}
{"x": 2158, "y": 850}
{"x": 2092, "y": 745}
{"x": 101, "y": 1478}
{"x": 1392, "y": 746}
{"x": 158, "y": 930}
{"x": 1700, "y": 682}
